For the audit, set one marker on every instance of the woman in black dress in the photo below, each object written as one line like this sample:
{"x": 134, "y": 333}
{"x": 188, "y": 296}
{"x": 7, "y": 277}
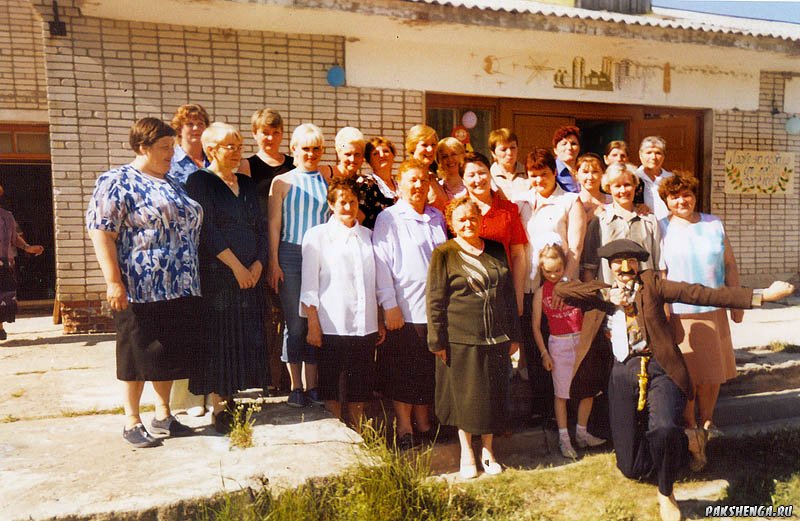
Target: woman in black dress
{"x": 233, "y": 251}
{"x": 473, "y": 328}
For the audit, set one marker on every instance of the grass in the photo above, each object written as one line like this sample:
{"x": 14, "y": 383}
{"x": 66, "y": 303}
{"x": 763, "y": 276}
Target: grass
{"x": 388, "y": 486}
{"x": 241, "y": 434}
{"x": 19, "y": 393}
{"x": 93, "y": 412}
{"x": 384, "y": 485}
{"x": 67, "y": 413}
{"x": 779, "y": 346}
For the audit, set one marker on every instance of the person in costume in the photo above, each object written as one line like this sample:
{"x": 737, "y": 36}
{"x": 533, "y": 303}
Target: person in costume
{"x": 649, "y": 382}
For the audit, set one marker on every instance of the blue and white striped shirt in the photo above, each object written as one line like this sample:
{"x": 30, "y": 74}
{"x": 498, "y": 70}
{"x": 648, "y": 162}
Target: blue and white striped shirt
{"x": 305, "y": 204}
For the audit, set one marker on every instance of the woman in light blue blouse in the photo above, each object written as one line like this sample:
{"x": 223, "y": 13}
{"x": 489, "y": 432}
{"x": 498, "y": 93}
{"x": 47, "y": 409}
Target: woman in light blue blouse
{"x": 145, "y": 231}
{"x": 696, "y": 250}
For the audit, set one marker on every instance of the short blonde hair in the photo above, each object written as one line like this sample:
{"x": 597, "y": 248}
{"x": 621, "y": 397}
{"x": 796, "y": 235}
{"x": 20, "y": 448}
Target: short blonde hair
{"x": 306, "y": 134}
{"x": 453, "y": 145}
{"x": 266, "y": 118}
{"x": 218, "y": 132}
{"x": 501, "y": 135}
{"x": 419, "y": 133}
{"x": 349, "y": 136}
{"x": 616, "y": 171}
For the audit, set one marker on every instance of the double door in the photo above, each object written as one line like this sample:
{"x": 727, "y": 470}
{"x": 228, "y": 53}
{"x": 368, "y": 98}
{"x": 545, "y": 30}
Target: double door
{"x": 535, "y": 121}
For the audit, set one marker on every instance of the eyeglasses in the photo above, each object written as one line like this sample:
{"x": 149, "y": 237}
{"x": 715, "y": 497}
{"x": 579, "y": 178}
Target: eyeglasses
{"x": 231, "y": 148}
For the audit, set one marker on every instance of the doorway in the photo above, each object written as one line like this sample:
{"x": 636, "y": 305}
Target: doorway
{"x": 535, "y": 121}
{"x": 26, "y": 178}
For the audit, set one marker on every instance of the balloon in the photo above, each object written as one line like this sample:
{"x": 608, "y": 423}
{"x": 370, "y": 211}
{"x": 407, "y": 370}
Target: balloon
{"x": 336, "y": 76}
{"x": 793, "y": 125}
{"x": 469, "y": 119}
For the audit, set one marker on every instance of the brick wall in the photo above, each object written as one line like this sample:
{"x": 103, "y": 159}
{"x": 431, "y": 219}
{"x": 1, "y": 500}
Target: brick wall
{"x": 105, "y": 74}
{"x": 764, "y": 230}
{"x": 22, "y": 73}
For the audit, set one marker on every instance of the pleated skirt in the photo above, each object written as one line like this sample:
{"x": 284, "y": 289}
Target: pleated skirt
{"x": 233, "y": 351}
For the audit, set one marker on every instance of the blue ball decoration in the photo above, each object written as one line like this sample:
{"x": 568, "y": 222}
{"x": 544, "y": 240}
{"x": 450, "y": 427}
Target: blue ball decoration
{"x": 336, "y": 76}
{"x": 793, "y": 126}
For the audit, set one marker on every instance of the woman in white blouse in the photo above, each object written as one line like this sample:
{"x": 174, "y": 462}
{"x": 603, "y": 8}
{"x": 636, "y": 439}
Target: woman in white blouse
{"x": 338, "y": 297}
{"x": 546, "y": 207}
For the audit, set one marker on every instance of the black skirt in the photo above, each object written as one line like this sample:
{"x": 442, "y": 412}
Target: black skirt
{"x": 233, "y": 351}
{"x": 157, "y": 341}
{"x": 410, "y": 365}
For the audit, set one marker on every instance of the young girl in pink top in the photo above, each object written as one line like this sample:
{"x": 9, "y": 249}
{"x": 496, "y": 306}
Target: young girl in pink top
{"x": 559, "y": 356}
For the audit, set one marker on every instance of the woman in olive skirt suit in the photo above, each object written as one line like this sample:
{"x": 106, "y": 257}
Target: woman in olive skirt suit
{"x": 473, "y": 327}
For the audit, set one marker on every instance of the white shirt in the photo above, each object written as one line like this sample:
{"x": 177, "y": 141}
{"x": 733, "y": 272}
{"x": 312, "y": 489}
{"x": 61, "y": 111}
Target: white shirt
{"x": 540, "y": 215}
{"x": 403, "y": 241}
{"x": 651, "y": 197}
{"x": 339, "y": 278}
{"x": 510, "y": 185}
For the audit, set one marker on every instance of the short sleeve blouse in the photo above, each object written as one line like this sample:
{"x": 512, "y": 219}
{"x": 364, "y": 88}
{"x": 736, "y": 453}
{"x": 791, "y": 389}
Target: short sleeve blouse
{"x": 694, "y": 253}
{"x": 503, "y": 224}
{"x": 158, "y": 229}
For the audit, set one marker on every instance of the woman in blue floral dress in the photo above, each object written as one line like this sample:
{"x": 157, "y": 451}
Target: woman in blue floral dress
{"x": 145, "y": 230}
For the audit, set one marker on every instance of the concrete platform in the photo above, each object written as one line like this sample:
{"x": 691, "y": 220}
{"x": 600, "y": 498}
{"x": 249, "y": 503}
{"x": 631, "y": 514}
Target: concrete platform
{"x": 61, "y": 459}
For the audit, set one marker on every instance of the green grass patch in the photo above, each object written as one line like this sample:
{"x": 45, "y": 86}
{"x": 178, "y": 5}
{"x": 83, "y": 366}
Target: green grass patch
{"x": 241, "y": 434}
{"x": 391, "y": 486}
{"x": 779, "y": 346}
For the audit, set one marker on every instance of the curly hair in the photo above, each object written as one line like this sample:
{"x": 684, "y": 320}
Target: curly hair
{"x": 680, "y": 181}
{"x": 186, "y": 112}
{"x": 564, "y": 132}
{"x": 456, "y": 203}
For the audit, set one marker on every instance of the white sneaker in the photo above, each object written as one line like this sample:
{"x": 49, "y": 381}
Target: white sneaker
{"x": 588, "y": 440}
{"x": 566, "y": 449}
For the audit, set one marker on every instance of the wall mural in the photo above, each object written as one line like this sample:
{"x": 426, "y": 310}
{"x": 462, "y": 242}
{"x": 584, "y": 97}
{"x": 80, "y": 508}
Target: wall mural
{"x": 579, "y": 78}
{"x": 609, "y": 74}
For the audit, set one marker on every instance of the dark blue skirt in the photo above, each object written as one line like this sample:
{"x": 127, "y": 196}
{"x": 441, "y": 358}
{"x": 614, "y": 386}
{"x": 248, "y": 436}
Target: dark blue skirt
{"x": 233, "y": 354}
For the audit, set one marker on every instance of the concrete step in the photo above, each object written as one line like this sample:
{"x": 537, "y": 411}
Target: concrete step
{"x": 761, "y": 370}
{"x": 757, "y": 408}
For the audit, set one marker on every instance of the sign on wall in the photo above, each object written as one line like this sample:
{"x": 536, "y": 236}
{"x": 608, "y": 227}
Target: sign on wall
{"x": 760, "y": 173}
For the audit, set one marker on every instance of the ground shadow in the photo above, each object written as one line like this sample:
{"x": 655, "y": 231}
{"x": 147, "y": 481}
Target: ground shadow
{"x": 88, "y": 340}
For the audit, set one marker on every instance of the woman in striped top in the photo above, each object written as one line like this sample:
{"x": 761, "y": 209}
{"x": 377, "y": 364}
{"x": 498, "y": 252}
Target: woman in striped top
{"x": 297, "y": 202}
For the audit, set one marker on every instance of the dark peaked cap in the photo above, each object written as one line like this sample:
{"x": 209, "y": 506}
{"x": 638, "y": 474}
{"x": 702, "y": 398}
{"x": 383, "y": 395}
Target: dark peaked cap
{"x": 623, "y": 248}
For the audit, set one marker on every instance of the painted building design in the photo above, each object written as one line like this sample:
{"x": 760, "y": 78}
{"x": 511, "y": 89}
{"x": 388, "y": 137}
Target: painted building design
{"x": 708, "y": 84}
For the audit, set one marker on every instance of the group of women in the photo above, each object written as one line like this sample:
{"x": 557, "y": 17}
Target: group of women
{"x": 417, "y": 283}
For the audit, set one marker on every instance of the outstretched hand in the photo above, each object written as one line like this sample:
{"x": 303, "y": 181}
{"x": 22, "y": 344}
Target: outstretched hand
{"x": 777, "y": 290}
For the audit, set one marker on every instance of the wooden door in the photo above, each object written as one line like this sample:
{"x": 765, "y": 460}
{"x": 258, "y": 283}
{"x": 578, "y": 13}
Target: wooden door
{"x": 680, "y": 133}
{"x": 536, "y": 130}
